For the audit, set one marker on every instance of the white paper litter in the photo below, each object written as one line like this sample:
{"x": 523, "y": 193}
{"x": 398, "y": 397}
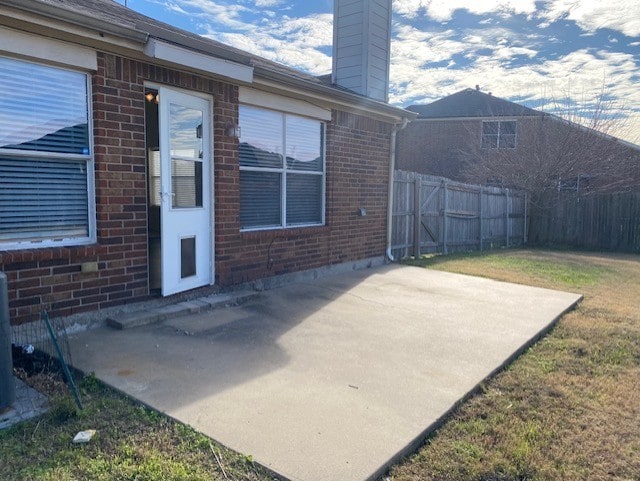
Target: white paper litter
{"x": 84, "y": 436}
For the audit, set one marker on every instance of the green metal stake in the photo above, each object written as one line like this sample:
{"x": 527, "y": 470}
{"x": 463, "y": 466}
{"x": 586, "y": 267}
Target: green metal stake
{"x": 65, "y": 368}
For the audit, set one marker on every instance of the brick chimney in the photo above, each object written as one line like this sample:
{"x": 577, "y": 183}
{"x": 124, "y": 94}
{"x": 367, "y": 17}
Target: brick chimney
{"x": 362, "y": 46}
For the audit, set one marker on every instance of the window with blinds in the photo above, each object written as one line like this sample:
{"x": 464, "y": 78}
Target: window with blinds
{"x": 282, "y": 169}
{"x": 46, "y": 166}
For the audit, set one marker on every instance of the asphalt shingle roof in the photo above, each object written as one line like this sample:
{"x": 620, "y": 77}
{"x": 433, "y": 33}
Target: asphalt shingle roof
{"x": 112, "y": 12}
{"x": 471, "y": 103}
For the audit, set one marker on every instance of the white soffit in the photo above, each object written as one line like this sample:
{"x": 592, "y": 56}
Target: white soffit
{"x": 205, "y": 63}
{"x": 43, "y": 48}
{"x": 259, "y": 98}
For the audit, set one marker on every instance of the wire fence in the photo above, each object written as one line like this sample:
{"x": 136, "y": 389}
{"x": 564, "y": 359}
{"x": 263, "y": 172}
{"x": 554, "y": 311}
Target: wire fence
{"x": 42, "y": 349}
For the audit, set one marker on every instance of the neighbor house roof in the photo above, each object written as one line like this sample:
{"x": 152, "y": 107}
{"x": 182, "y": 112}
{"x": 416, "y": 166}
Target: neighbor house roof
{"x": 471, "y": 103}
{"x": 113, "y": 20}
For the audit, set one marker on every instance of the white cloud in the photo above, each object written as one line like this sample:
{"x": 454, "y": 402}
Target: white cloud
{"x": 418, "y": 48}
{"x": 228, "y": 15}
{"x": 591, "y": 15}
{"x": 267, "y": 3}
{"x": 291, "y": 41}
{"x": 443, "y": 10}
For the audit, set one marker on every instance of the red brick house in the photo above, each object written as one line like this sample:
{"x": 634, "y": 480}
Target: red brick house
{"x": 455, "y": 135}
{"x": 138, "y": 160}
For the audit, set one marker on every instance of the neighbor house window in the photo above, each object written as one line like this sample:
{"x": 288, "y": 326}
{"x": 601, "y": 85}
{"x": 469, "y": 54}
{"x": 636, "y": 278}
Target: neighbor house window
{"x": 46, "y": 164}
{"x": 499, "y": 135}
{"x": 281, "y": 169}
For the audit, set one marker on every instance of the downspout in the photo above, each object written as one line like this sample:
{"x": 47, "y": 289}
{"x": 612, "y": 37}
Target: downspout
{"x": 392, "y": 167}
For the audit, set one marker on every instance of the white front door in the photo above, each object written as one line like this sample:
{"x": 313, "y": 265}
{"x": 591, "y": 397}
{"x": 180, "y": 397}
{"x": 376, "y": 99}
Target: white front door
{"x": 186, "y": 184}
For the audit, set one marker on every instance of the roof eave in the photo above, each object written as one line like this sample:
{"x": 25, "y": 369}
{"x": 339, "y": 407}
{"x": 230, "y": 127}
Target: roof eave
{"x": 329, "y": 95}
{"x": 129, "y": 32}
{"x": 262, "y": 76}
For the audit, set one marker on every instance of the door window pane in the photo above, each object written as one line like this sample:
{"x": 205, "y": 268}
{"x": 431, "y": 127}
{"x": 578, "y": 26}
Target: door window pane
{"x": 186, "y": 132}
{"x": 186, "y": 183}
{"x": 186, "y": 154}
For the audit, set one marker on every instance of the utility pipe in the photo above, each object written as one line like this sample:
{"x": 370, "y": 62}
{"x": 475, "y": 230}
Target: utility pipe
{"x": 392, "y": 167}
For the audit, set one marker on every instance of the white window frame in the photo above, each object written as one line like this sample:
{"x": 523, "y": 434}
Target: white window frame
{"x": 88, "y": 159}
{"x": 499, "y": 135}
{"x": 283, "y": 175}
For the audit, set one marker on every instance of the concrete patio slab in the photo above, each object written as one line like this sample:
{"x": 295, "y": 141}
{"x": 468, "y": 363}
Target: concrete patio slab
{"x": 332, "y": 379}
{"x": 28, "y": 404}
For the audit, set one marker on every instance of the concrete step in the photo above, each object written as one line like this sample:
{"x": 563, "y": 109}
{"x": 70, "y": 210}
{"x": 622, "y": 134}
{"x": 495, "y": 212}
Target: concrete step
{"x": 156, "y": 314}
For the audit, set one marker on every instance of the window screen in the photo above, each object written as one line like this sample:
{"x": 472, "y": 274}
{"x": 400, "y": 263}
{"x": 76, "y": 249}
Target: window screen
{"x": 45, "y": 154}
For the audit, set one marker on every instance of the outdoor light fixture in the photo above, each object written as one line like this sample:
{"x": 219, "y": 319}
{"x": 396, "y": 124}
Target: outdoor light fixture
{"x": 233, "y": 130}
{"x": 152, "y": 97}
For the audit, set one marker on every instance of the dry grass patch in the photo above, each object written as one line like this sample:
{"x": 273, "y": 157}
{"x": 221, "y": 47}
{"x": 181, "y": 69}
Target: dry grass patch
{"x": 569, "y": 408}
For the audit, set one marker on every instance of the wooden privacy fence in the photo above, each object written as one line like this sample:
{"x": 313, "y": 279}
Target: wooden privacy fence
{"x": 433, "y": 214}
{"x": 595, "y": 221}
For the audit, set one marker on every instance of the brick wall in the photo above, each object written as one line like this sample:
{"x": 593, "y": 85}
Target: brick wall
{"x": 53, "y": 278}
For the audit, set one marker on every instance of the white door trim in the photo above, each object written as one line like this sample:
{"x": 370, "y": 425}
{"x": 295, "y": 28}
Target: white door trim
{"x": 179, "y": 224}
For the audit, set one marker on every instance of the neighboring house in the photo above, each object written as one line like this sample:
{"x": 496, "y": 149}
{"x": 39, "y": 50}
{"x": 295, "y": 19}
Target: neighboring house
{"x": 474, "y": 136}
{"x": 140, "y": 160}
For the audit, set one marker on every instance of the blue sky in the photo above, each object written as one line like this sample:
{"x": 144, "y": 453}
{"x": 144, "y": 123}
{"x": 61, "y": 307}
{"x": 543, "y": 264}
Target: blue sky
{"x": 555, "y": 55}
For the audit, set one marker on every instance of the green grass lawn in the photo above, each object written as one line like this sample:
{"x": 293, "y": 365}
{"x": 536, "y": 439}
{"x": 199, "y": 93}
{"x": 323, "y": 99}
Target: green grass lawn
{"x": 567, "y": 409}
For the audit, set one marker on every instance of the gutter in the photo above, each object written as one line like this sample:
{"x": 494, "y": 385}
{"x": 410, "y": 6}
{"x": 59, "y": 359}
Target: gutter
{"x": 392, "y": 167}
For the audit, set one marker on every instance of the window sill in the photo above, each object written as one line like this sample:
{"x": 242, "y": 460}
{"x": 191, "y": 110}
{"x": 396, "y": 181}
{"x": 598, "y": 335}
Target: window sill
{"x": 284, "y": 232}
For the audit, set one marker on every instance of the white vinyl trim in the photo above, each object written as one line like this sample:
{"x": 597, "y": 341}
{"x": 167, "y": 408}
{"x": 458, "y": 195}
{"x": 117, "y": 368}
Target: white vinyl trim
{"x": 259, "y": 98}
{"x": 205, "y": 63}
{"x": 46, "y": 49}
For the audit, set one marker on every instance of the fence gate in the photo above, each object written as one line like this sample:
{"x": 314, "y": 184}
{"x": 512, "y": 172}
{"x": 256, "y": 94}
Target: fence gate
{"x": 437, "y": 215}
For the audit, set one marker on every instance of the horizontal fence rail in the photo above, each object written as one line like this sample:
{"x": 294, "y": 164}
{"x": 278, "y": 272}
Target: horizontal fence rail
{"x": 437, "y": 215}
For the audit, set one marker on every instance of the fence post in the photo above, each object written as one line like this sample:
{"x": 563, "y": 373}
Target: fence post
{"x": 7, "y": 384}
{"x": 445, "y": 221}
{"x": 417, "y": 216}
{"x": 481, "y": 219}
{"x": 526, "y": 224}
{"x": 506, "y": 214}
